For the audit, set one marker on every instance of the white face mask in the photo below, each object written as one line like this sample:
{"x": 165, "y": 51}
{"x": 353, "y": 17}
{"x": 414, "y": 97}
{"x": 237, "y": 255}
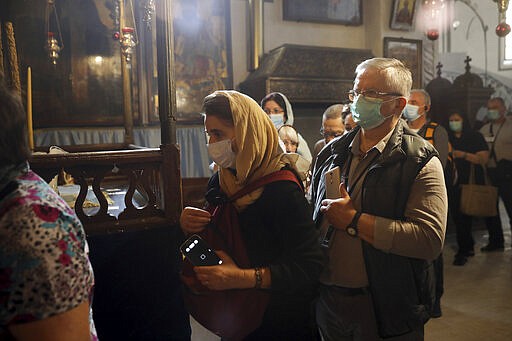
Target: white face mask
{"x": 277, "y": 119}
{"x": 222, "y": 153}
{"x": 411, "y": 112}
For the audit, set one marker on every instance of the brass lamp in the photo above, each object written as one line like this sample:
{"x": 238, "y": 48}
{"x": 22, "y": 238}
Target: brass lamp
{"x": 502, "y": 29}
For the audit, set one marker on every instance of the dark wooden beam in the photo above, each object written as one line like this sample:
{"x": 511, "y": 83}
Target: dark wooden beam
{"x": 166, "y": 79}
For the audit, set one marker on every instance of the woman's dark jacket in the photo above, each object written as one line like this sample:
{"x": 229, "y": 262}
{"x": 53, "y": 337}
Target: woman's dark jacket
{"x": 279, "y": 232}
{"x": 402, "y": 288}
{"x": 470, "y": 142}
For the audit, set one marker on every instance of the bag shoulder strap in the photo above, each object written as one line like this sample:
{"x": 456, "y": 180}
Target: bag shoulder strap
{"x": 429, "y": 136}
{"x": 281, "y": 175}
{"x": 429, "y": 132}
{"x": 472, "y": 177}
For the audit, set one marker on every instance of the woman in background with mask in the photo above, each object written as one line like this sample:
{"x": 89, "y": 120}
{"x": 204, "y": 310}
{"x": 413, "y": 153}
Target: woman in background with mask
{"x": 280, "y": 111}
{"x": 469, "y": 148}
{"x": 275, "y": 220}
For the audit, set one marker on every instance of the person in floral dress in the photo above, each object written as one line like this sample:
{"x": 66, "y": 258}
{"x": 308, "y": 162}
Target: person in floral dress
{"x": 46, "y": 279}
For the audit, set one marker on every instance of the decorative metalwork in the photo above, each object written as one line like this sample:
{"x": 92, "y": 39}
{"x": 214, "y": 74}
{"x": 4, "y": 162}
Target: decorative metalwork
{"x": 52, "y": 43}
{"x": 128, "y": 43}
{"x": 502, "y": 29}
{"x": 129, "y": 37}
{"x": 53, "y": 48}
{"x": 502, "y": 6}
{"x": 149, "y": 11}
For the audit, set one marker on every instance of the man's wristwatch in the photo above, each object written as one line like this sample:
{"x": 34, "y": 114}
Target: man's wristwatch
{"x": 352, "y": 227}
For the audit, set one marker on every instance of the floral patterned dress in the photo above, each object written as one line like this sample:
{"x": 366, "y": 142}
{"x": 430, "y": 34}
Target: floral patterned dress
{"x": 44, "y": 265}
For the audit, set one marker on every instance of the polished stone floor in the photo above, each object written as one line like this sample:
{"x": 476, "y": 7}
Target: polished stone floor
{"x": 477, "y": 303}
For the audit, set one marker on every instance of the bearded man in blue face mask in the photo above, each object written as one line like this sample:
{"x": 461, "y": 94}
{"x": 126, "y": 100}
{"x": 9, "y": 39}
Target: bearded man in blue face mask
{"x": 498, "y": 135}
{"x": 388, "y": 224}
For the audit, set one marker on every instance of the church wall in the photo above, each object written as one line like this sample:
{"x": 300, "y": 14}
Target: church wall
{"x": 376, "y": 15}
{"x": 469, "y": 37}
{"x": 369, "y": 35}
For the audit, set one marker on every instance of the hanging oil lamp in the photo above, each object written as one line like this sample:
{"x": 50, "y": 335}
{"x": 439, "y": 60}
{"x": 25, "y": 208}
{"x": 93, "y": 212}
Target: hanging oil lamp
{"x": 128, "y": 43}
{"x": 52, "y": 46}
{"x": 502, "y": 29}
{"x": 432, "y": 10}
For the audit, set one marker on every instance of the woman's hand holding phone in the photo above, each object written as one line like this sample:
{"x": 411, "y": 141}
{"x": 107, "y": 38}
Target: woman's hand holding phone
{"x": 194, "y": 220}
{"x": 216, "y": 270}
{"x": 225, "y": 276}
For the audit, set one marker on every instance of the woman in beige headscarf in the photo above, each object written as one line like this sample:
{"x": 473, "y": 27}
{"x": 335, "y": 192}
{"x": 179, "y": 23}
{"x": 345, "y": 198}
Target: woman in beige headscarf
{"x": 275, "y": 221}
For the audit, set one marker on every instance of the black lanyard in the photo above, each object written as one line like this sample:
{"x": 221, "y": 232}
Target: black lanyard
{"x": 493, "y": 153}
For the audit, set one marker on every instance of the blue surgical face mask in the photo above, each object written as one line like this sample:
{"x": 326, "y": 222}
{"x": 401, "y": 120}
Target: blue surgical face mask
{"x": 277, "y": 120}
{"x": 411, "y": 112}
{"x": 222, "y": 153}
{"x": 493, "y": 115}
{"x": 455, "y": 126}
{"x": 366, "y": 111}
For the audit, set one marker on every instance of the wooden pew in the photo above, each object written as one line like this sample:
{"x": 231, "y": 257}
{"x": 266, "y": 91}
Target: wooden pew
{"x": 154, "y": 171}
{"x": 135, "y": 258}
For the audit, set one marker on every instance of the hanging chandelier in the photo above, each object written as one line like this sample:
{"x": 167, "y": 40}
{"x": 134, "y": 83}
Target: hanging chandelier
{"x": 52, "y": 46}
{"x": 432, "y": 11}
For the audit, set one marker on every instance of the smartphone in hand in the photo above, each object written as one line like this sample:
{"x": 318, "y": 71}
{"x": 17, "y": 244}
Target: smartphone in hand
{"x": 332, "y": 183}
{"x": 197, "y": 251}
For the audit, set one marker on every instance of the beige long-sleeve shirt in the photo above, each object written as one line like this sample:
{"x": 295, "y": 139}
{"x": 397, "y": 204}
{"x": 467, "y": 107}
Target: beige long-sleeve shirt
{"x": 421, "y": 236}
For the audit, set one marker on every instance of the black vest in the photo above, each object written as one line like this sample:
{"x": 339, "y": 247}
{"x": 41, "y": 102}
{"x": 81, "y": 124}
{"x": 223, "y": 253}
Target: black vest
{"x": 402, "y": 288}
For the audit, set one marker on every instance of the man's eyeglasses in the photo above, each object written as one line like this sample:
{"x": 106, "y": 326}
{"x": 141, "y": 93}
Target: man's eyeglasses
{"x": 330, "y": 133}
{"x": 273, "y": 111}
{"x": 353, "y": 94}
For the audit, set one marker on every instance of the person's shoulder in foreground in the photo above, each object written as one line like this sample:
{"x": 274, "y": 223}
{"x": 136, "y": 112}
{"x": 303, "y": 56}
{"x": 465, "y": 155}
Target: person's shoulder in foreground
{"x": 46, "y": 279}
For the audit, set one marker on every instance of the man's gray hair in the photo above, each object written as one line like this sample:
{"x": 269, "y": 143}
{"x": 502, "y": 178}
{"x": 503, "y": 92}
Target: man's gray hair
{"x": 425, "y": 94}
{"x": 500, "y": 100}
{"x": 398, "y": 77}
{"x": 333, "y": 112}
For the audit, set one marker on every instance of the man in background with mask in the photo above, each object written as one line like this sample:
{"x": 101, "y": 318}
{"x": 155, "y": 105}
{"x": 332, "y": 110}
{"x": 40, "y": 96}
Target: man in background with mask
{"x": 332, "y": 126}
{"x": 416, "y": 114}
{"x": 498, "y": 135}
{"x": 388, "y": 224}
